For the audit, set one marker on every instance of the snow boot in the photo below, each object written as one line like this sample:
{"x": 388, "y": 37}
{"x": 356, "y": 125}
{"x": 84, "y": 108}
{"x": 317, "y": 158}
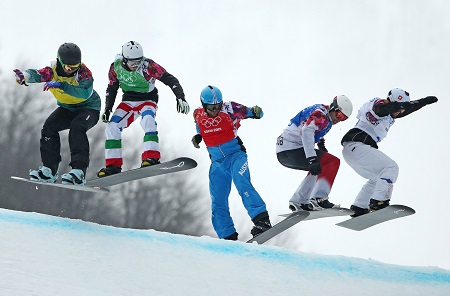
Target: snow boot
{"x": 295, "y": 206}
{"x": 376, "y": 205}
{"x": 149, "y": 162}
{"x": 108, "y": 171}
{"x": 262, "y": 223}
{"x": 43, "y": 174}
{"x": 358, "y": 211}
{"x": 323, "y": 203}
{"x": 74, "y": 177}
{"x": 233, "y": 237}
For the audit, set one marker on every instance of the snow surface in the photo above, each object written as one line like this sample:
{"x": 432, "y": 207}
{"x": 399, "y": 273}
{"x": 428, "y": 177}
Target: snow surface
{"x": 45, "y": 255}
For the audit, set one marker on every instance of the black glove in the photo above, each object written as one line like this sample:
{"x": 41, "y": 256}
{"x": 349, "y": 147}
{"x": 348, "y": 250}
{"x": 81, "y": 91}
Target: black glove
{"x": 407, "y": 106}
{"x": 314, "y": 165}
{"x": 182, "y": 106}
{"x": 196, "y": 140}
{"x": 428, "y": 100}
{"x": 321, "y": 145}
{"x": 105, "y": 116}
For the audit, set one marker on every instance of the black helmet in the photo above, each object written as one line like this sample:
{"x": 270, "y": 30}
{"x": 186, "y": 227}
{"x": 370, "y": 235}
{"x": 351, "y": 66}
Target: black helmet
{"x": 69, "y": 54}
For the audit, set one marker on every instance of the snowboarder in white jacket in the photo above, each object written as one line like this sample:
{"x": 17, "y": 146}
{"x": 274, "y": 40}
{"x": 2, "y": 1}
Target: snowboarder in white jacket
{"x": 360, "y": 149}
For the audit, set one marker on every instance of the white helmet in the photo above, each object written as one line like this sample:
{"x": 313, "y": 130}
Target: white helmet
{"x": 398, "y": 95}
{"x": 132, "y": 50}
{"x": 343, "y": 104}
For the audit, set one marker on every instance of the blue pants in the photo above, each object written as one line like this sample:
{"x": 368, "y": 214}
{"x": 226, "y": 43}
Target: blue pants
{"x": 233, "y": 167}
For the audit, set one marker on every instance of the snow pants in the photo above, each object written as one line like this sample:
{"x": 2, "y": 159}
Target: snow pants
{"x": 126, "y": 113}
{"x": 372, "y": 164}
{"x": 312, "y": 186}
{"x": 78, "y": 122}
{"x": 222, "y": 172}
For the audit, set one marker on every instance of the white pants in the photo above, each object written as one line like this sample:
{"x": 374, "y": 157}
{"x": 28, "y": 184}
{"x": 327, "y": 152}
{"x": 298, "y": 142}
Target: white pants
{"x": 372, "y": 164}
{"x": 311, "y": 187}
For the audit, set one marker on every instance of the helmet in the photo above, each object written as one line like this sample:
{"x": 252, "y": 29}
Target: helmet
{"x": 132, "y": 50}
{"x": 69, "y": 54}
{"x": 343, "y": 104}
{"x": 398, "y": 95}
{"x": 211, "y": 95}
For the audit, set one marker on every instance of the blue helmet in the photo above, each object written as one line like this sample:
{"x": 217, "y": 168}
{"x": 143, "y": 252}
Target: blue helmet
{"x": 211, "y": 95}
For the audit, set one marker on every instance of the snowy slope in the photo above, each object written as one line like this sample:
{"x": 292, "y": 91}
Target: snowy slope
{"x": 44, "y": 255}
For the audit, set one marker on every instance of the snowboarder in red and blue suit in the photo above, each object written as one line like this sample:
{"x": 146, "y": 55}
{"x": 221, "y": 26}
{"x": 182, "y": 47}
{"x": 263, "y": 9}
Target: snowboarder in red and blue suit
{"x": 217, "y": 123}
{"x": 296, "y": 150}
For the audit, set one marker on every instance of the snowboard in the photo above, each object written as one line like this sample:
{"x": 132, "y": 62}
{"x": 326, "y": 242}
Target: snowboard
{"x": 371, "y": 219}
{"x": 278, "y": 228}
{"x": 333, "y": 212}
{"x": 176, "y": 165}
{"x": 95, "y": 189}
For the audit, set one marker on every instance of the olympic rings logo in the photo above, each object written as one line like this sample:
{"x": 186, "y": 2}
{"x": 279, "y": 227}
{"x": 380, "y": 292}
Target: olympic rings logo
{"x": 211, "y": 122}
{"x": 127, "y": 78}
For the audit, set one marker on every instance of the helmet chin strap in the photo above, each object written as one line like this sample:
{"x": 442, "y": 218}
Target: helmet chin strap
{"x": 124, "y": 64}
{"x": 333, "y": 107}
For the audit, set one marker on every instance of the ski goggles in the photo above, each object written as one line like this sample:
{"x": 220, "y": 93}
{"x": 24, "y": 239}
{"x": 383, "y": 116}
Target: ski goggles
{"x": 214, "y": 107}
{"x": 133, "y": 63}
{"x": 339, "y": 115}
{"x": 70, "y": 67}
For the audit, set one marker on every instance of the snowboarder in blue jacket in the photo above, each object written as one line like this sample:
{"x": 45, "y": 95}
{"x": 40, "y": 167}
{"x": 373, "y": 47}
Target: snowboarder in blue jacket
{"x": 217, "y": 123}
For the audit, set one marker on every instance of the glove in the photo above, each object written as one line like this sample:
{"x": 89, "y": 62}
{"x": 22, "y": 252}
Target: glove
{"x": 314, "y": 165}
{"x": 182, "y": 106}
{"x": 51, "y": 84}
{"x": 196, "y": 140}
{"x": 257, "y": 111}
{"x": 105, "y": 115}
{"x": 407, "y": 106}
{"x": 20, "y": 78}
{"x": 321, "y": 145}
{"x": 428, "y": 100}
